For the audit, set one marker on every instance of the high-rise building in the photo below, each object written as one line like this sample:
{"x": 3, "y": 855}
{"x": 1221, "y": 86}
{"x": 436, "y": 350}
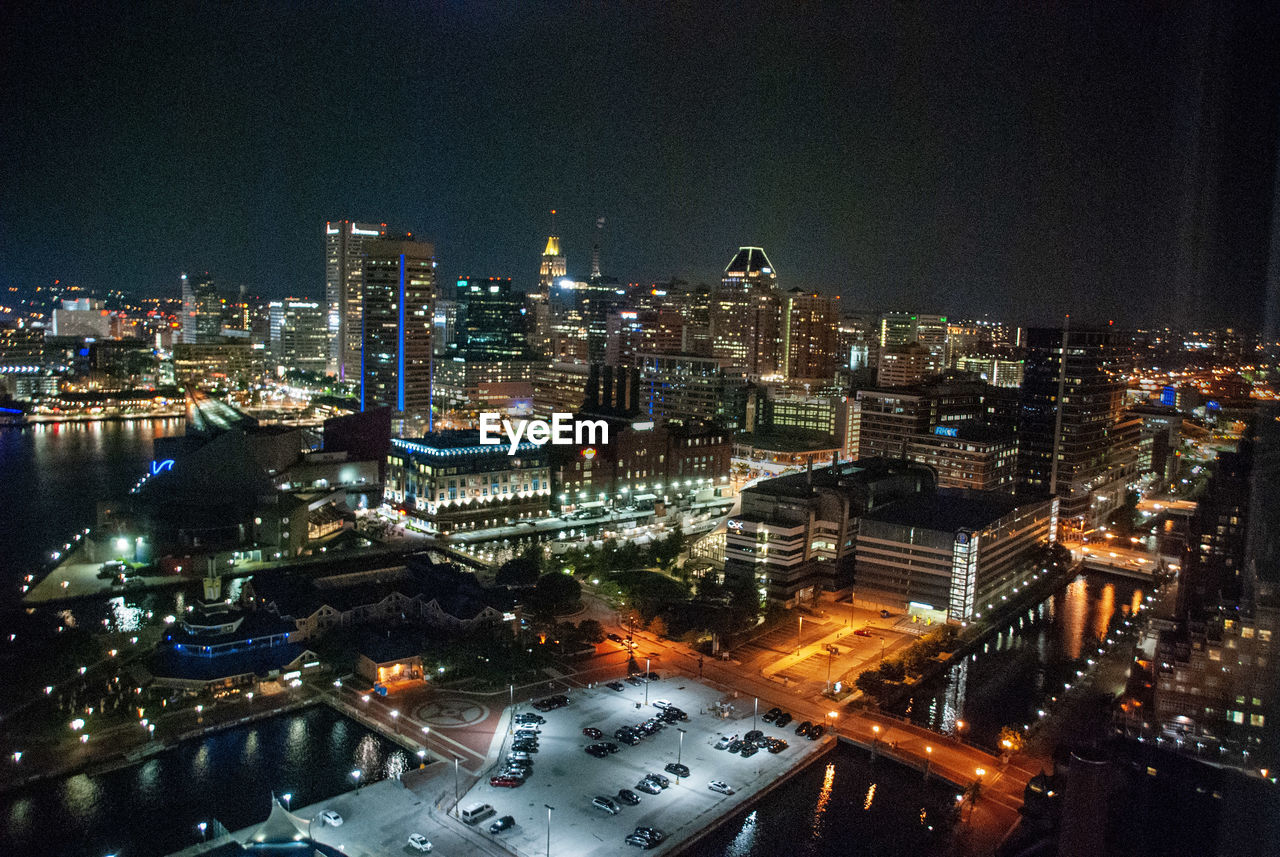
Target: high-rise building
{"x": 1073, "y": 439}
{"x": 201, "y": 310}
{"x": 343, "y": 293}
{"x": 749, "y": 268}
{"x": 490, "y": 320}
{"x": 579, "y": 313}
{"x": 398, "y": 281}
{"x": 903, "y": 365}
{"x": 551, "y": 269}
{"x": 299, "y": 335}
{"x": 808, "y": 340}
{"x": 82, "y": 318}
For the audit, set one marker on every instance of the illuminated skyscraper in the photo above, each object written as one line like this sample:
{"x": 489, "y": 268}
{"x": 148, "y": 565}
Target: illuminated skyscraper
{"x": 550, "y": 271}
{"x": 744, "y": 314}
{"x": 399, "y": 289}
{"x": 344, "y": 252}
{"x": 807, "y": 343}
{"x": 201, "y": 309}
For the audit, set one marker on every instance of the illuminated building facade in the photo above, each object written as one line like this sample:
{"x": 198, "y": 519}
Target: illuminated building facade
{"x": 451, "y": 481}
{"x": 399, "y": 288}
{"x": 344, "y": 292}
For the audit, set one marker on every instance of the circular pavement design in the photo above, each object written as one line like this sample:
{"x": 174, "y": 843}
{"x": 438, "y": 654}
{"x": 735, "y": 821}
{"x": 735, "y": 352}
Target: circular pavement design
{"x": 452, "y": 713}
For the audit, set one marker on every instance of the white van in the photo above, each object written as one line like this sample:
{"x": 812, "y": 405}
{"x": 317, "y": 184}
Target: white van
{"x": 476, "y": 812}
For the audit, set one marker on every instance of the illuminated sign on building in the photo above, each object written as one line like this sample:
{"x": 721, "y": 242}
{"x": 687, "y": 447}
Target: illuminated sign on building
{"x": 945, "y": 431}
{"x": 161, "y": 466}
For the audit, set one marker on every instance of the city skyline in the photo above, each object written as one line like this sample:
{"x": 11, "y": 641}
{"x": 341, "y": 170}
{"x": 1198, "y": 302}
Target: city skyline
{"x": 1022, "y": 164}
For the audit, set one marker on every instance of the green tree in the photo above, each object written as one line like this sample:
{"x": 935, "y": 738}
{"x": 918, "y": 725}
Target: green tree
{"x": 869, "y": 682}
{"x": 591, "y": 631}
{"x": 555, "y": 592}
{"x": 893, "y": 670}
{"x": 518, "y": 571}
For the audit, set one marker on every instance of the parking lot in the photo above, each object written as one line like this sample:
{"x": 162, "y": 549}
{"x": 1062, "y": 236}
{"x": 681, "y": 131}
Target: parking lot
{"x": 567, "y": 778}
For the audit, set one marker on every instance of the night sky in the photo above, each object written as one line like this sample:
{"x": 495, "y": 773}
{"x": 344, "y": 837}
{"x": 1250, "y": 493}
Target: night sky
{"x": 1020, "y": 161}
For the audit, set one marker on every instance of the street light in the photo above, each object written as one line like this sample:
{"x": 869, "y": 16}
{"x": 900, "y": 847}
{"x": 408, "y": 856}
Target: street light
{"x": 426, "y": 739}
{"x": 754, "y": 711}
{"x": 799, "y": 632}
{"x": 550, "y": 809}
{"x": 680, "y": 749}
{"x": 928, "y": 754}
{"x": 355, "y": 775}
{"x": 287, "y": 796}
{"x": 202, "y": 827}
{"x": 646, "y": 681}
{"x": 456, "y": 797}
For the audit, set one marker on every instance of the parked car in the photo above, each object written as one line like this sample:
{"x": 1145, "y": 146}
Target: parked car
{"x": 725, "y": 741}
{"x": 517, "y": 756}
{"x": 678, "y": 769}
{"x": 615, "y": 685}
{"x": 862, "y": 632}
{"x": 639, "y": 841}
{"x": 419, "y": 843}
{"x": 885, "y": 614}
{"x": 635, "y": 681}
{"x": 610, "y": 747}
{"x": 528, "y": 729}
{"x": 771, "y": 714}
{"x": 505, "y": 823}
{"x": 653, "y": 834}
{"x": 662, "y": 703}
{"x": 592, "y": 732}
{"x": 607, "y": 804}
{"x": 749, "y": 750}
{"x": 672, "y": 714}
{"x": 613, "y": 637}
{"x": 596, "y": 750}
{"x": 505, "y": 782}
{"x": 649, "y": 787}
{"x": 816, "y": 731}
{"x": 720, "y": 786}
{"x": 777, "y": 745}
{"x": 735, "y": 745}
{"x": 659, "y": 779}
{"x": 783, "y": 719}
{"x": 652, "y": 676}
{"x": 803, "y": 728}
{"x": 628, "y": 797}
{"x": 331, "y": 818}
{"x": 752, "y": 736}
{"x": 530, "y": 717}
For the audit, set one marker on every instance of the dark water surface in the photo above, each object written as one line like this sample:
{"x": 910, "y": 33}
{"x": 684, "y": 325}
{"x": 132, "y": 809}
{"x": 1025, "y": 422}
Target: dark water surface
{"x": 152, "y": 808}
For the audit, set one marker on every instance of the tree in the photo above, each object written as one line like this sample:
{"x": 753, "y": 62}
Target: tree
{"x": 916, "y": 660}
{"x": 555, "y": 592}
{"x": 1011, "y": 740}
{"x": 591, "y": 631}
{"x": 893, "y": 670}
{"x": 658, "y": 626}
{"x": 869, "y": 682}
{"x": 518, "y": 571}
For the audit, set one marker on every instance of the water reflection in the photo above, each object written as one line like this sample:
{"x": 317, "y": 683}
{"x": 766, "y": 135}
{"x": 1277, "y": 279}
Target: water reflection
{"x": 1006, "y": 681}
{"x": 824, "y": 798}
{"x": 744, "y": 843}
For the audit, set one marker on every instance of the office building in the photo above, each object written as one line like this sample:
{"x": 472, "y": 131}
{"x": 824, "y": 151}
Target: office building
{"x": 398, "y": 279}
{"x": 489, "y": 321}
{"x": 807, "y": 343}
{"x": 551, "y": 270}
{"x": 298, "y": 335}
{"x": 690, "y": 388}
{"x": 82, "y": 318}
{"x": 795, "y": 535}
{"x": 968, "y": 455}
{"x": 744, "y": 314}
{"x": 996, "y": 371}
{"x": 1074, "y": 440}
{"x": 201, "y": 310}
{"x": 952, "y": 554}
{"x": 904, "y": 365}
{"x": 344, "y": 292}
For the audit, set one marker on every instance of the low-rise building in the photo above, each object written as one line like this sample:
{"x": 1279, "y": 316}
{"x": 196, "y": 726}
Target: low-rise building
{"x": 969, "y": 455}
{"x": 957, "y": 554}
{"x": 452, "y": 482}
{"x": 795, "y": 535}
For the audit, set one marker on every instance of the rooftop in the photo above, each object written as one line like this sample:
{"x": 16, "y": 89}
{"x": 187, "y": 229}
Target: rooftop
{"x": 947, "y": 510}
